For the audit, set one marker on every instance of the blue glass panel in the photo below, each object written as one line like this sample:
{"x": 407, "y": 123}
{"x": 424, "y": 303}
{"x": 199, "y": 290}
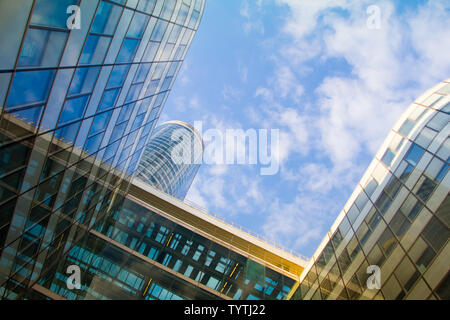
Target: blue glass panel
{"x": 30, "y": 115}
{"x": 134, "y": 92}
{"x": 128, "y": 50}
{"x": 151, "y": 90}
{"x": 106, "y": 18}
{"x": 68, "y": 133}
{"x": 94, "y": 50}
{"x": 194, "y": 18}
{"x": 160, "y": 28}
{"x": 118, "y": 76}
{"x": 100, "y": 122}
{"x": 93, "y": 143}
{"x": 138, "y": 25}
{"x": 159, "y": 99}
{"x": 406, "y": 128}
{"x": 166, "y": 84}
{"x": 142, "y": 72}
{"x": 42, "y": 48}
{"x": 125, "y": 113}
{"x": 52, "y": 13}
{"x": 118, "y": 131}
{"x": 146, "y": 129}
{"x": 442, "y": 173}
{"x": 84, "y": 80}
{"x": 146, "y": 5}
{"x": 414, "y": 154}
{"x": 111, "y": 150}
{"x": 183, "y": 14}
{"x": 138, "y": 121}
{"x": 388, "y": 157}
{"x": 167, "y": 11}
{"x": 145, "y": 104}
{"x": 30, "y": 87}
{"x": 108, "y": 99}
{"x": 73, "y": 109}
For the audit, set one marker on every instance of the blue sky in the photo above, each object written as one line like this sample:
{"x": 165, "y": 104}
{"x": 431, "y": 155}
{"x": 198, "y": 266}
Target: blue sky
{"x": 331, "y": 84}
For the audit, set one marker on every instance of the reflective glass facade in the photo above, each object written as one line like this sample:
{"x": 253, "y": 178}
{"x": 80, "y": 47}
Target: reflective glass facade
{"x": 398, "y": 217}
{"x": 77, "y": 108}
{"x": 137, "y": 253}
{"x": 172, "y": 158}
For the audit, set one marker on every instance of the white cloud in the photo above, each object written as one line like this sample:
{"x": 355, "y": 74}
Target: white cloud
{"x": 351, "y": 114}
{"x": 329, "y": 131}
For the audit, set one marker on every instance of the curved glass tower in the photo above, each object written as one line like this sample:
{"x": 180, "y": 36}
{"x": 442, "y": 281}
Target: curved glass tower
{"x": 172, "y": 158}
{"x": 397, "y": 219}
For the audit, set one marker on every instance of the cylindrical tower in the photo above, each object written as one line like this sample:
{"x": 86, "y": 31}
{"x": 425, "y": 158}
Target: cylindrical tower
{"x": 172, "y": 158}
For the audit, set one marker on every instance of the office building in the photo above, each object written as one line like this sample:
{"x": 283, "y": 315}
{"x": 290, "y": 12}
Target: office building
{"x": 397, "y": 219}
{"x": 82, "y": 84}
{"x": 172, "y": 158}
{"x": 158, "y": 247}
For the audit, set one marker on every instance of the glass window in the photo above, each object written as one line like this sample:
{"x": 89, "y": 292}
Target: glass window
{"x": 167, "y": 52}
{"x": 51, "y": 13}
{"x": 436, "y": 233}
{"x": 30, "y": 115}
{"x": 73, "y": 109}
{"x": 388, "y": 157}
{"x": 125, "y": 113}
{"x": 183, "y": 14}
{"x": 138, "y": 25}
{"x": 186, "y": 36}
{"x": 133, "y": 94}
{"x": 179, "y": 54}
{"x": 443, "y": 290}
{"x": 68, "y": 133}
{"x": 150, "y": 51}
{"x": 118, "y": 76}
{"x": 108, "y": 157}
{"x": 146, "y": 5}
{"x": 443, "y": 211}
{"x": 438, "y": 122}
{"x": 29, "y": 87}
{"x": 106, "y": 18}
{"x": 174, "y": 34}
{"x": 93, "y": 143}
{"x": 414, "y": 154}
{"x": 406, "y": 128}
{"x": 424, "y": 188}
{"x": 160, "y": 28}
{"x": 108, "y": 99}
{"x": 138, "y": 121}
{"x": 100, "y": 122}
{"x": 128, "y": 50}
{"x": 194, "y": 18}
{"x": 118, "y": 131}
{"x": 142, "y": 72}
{"x": 84, "y": 80}
{"x": 95, "y": 49}
{"x": 168, "y": 9}
{"x": 42, "y": 48}
{"x": 352, "y": 213}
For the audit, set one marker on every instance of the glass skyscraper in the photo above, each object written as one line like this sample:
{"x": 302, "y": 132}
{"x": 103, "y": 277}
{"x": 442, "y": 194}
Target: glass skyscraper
{"x": 397, "y": 219}
{"x": 82, "y": 84}
{"x": 172, "y": 158}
